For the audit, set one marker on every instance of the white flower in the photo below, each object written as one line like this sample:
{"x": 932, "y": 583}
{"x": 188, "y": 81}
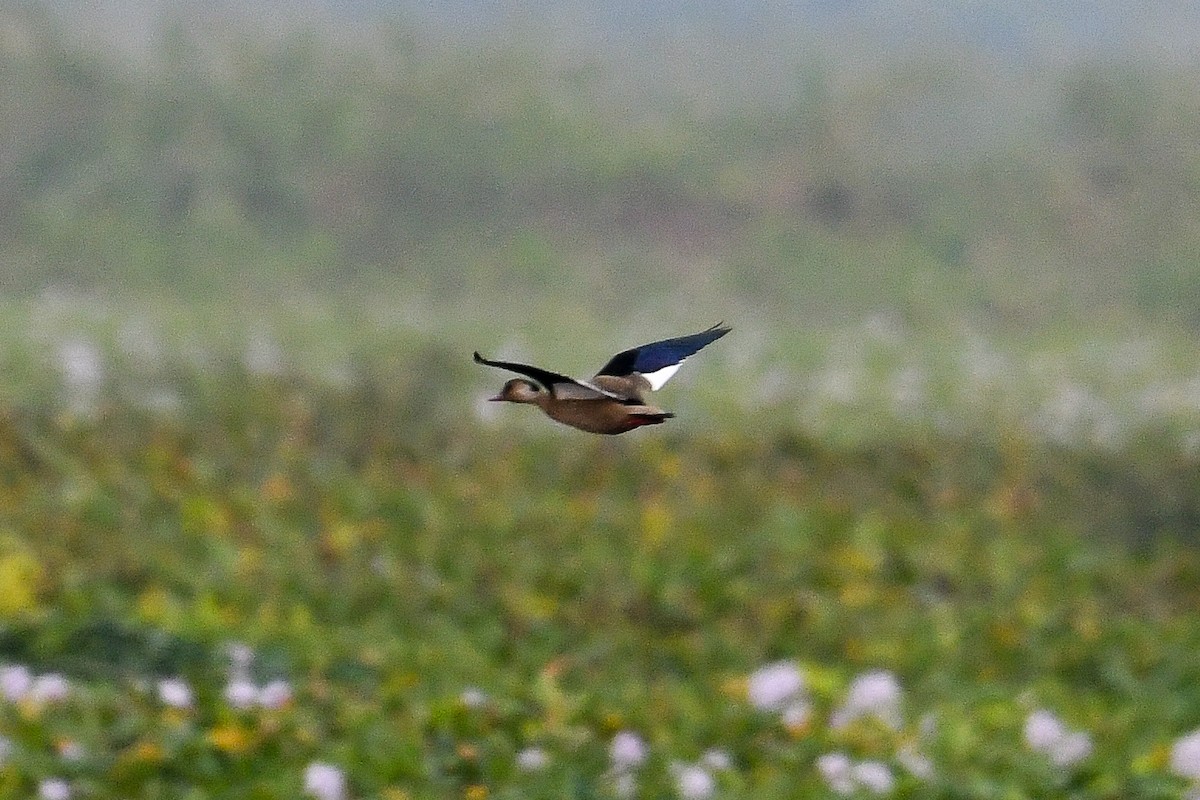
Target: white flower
{"x": 717, "y": 759}
{"x": 532, "y": 759}
{"x": 796, "y": 714}
{"x": 1071, "y": 749}
{"x": 15, "y": 682}
{"x": 71, "y": 751}
{"x": 275, "y": 695}
{"x": 175, "y": 692}
{"x": 693, "y": 782}
{"x": 1043, "y": 730}
{"x": 241, "y": 693}
{"x": 874, "y": 776}
{"x": 324, "y": 781}
{"x": 6, "y": 750}
{"x": 473, "y": 697}
{"x": 845, "y": 777}
{"x": 627, "y": 750}
{"x": 837, "y": 770}
{"x": 915, "y": 762}
{"x": 54, "y": 789}
{"x": 874, "y": 694}
{"x": 772, "y": 686}
{"x": 50, "y": 688}
{"x": 1185, "y": 756}
{"x": 1045, "y": 733}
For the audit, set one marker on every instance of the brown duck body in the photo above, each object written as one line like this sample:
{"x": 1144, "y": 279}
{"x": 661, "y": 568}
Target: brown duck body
{"x": 594, "y": 415}
{"x": 602, "y": 416}
{"x": 612, "y": 401}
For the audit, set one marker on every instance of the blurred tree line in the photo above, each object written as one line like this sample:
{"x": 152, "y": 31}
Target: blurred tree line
{"x": 223, "y": 159}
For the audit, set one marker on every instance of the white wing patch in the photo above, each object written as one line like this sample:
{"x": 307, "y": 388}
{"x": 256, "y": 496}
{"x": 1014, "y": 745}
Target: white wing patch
{"x": 580, "y": 390}
{"x": 659, "y": 377}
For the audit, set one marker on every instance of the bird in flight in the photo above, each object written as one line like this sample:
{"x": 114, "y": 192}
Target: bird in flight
{"x": 611, "y": 402}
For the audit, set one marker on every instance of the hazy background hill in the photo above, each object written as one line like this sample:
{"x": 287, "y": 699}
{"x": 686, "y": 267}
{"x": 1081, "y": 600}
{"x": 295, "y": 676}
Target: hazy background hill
{"x": 961, "y": 180}
{"x": 1011, "y": 163}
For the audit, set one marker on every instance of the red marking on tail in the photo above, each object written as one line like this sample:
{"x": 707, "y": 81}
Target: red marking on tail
{"x": 638, "y": 420}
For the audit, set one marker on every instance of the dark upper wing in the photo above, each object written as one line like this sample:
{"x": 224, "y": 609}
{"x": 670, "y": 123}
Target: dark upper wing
{"x": 560, "y": 386}
{"x": 657, "y": 361}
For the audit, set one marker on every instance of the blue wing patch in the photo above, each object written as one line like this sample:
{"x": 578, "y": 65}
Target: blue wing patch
{"x": 650, "y": 358}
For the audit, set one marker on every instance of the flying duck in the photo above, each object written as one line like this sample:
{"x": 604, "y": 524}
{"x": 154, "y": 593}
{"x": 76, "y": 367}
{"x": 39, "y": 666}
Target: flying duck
{"x": 611, "y": 402}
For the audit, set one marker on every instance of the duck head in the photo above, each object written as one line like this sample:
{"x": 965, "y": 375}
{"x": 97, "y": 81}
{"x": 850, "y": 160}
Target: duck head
{"x": 519, "y": 390}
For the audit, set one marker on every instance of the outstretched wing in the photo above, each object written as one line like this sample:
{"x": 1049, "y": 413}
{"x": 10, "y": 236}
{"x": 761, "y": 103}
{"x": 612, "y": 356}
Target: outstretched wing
{"x": 656, "y": 362}
{"x": 560, "y": 386}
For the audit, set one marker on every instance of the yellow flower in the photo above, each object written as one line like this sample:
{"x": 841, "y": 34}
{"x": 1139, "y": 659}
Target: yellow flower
{"x": 20, "y": 574}
{"x": 145, "y": 751}
{"x": 230, "y": 737}
{"x": 476, "y": 792}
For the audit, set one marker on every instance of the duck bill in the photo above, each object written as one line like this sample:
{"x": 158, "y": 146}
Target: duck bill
{"x": 498, "y": 398}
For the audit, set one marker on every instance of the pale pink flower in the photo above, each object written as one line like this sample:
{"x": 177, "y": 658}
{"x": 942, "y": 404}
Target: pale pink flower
{"x": 324, "y": 781}
{"x": 532, "y": 759}
{"x": 241, "y": 694}
{"x": 175, "y": 692}
{"x": 1045, "y": 733}
{"x": 1185, "y": 756}
{"x": 275, "y": 695}
{"x": 15, "y": 682}
{"x": 54, "y": 789}
{"x": 873, "y": 776}
{"x": 1071, "y": 749}
{"x": 693, "y": 782}
{"x": 772, "y": 686}
{"x": 627, "y": 751}
{"x": 838, "y": 771}
{"x": 50, "y": 688}
{"x": 872, "y": 694}
{"x": 1043, "y": 730}
{"x": 717, "y": 759}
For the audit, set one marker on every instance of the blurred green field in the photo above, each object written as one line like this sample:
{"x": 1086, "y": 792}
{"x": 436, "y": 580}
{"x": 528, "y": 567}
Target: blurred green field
{"x": 926, "y": 523}
{"x": 444, "y": 591}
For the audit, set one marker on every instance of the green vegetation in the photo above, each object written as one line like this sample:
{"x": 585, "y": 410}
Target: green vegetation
{"x": 950, "y": 446}
{"x": 585, "y": 586}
